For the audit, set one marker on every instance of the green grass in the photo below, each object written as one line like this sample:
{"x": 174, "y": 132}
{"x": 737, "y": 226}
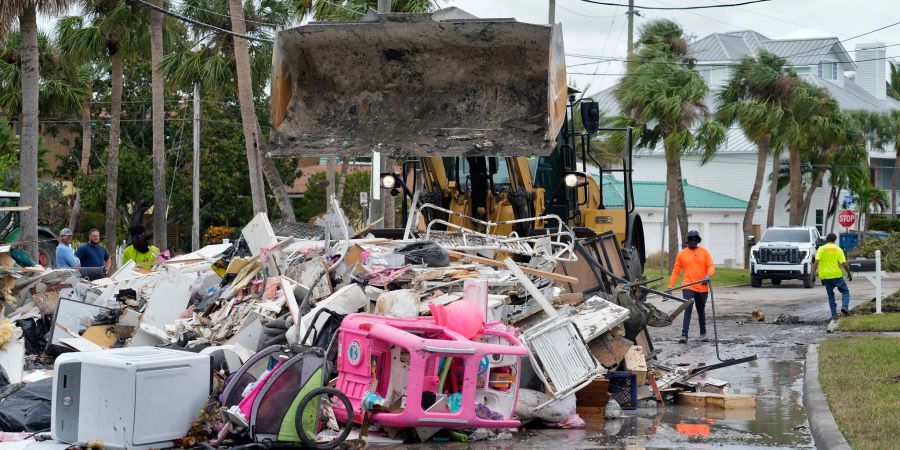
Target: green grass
{"x": 872, "y": 322}
{"x": 724, "y": 276}
{"x": 861, "y": 378}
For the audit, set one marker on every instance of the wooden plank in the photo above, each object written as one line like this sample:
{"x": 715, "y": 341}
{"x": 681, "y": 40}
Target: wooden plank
{"x": 722, "y": 401}
{"x": 528, "y": 270}
{"x": 595, "y": 395}
{"x": 637, "y": 364}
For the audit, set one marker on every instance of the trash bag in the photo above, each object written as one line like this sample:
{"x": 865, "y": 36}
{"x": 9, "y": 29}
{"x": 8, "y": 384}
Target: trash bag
{"x": 425, "y": 252}
{"x": 35, "y": 333}
{"x": 28, "y": 409}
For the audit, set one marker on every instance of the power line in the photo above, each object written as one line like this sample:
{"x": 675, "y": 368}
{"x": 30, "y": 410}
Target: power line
{"x": 840, "y": 41}
{"x": 586, "y": 15}
{"x": 184, "y": 5}
{"x": 201, "y": 24}
{"x": 679, "y": 8}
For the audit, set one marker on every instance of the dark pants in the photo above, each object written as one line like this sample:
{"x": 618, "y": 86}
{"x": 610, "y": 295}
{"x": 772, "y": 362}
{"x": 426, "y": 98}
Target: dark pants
{"x": 700, "y": 304}
{"x": 841, "y": 286}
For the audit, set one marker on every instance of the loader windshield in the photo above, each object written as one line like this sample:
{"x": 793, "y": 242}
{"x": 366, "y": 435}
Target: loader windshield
{"x": 460, "y": 171}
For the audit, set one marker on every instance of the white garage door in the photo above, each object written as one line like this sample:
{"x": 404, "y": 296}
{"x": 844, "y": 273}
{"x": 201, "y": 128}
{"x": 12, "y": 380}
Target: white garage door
{"x": 722, "y": 242}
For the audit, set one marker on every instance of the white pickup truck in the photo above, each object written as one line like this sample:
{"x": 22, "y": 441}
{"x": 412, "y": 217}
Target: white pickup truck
{"x": 785, "y": 253}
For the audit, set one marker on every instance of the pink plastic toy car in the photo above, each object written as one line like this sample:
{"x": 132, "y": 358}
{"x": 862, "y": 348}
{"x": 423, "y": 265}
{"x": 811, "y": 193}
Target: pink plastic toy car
{"x": 374, "y": 352}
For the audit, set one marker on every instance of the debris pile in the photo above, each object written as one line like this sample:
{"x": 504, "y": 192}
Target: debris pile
{"x": 320, "y": 337}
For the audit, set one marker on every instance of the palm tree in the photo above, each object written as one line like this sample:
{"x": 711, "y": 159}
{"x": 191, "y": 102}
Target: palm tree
{"x": 889, "y": 133}
{"x": 662, "y": 96}
{"x": 893, "y": 86}
{"x": 160, "y": 203}
{"x": 27, "y": 11}
{"x": 817, "y": 117}
{"x": 869, "y": 199}
{"x": 756, "y": 97}
{"x": 109, "y": 29}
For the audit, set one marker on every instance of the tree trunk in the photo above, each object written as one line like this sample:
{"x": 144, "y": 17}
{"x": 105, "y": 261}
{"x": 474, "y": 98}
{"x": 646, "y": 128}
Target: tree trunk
{"x": 85, "y": 165}
{"x": 245, "y": 98}
{"x": 112, "y": 162}
{"x": 672, "y": 182}
{"x": 807, "y": 200}
{"x": 390, "y": 202}
{"x": 272, "y": 175}
{"x": 342, "y": 179}
{"x": 329, "y": 182}
{"x": 773, "y": 190}
{"x": 680, "y": 205}
{"x": 160, "y": 203}
{"x": 796, "y": 206}
{"x": 747, "y": 227}
{"x": 894, "y": 183}
{"x": 28, "y": 155}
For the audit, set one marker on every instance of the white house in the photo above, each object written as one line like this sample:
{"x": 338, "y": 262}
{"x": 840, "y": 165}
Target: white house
{"x": 824, "y": 61}
{"x": 718, "y": 217}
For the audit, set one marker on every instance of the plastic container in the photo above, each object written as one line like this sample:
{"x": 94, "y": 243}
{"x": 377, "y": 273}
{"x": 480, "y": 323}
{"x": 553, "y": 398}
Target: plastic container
{"x": 623, "y": 388}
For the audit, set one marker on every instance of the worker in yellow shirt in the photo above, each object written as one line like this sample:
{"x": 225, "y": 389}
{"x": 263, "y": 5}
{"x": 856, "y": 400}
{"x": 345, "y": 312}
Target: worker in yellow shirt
{"x": 140, "y": 251}
{"x": 697, "y": 264}
{"x": 829, "y": 260}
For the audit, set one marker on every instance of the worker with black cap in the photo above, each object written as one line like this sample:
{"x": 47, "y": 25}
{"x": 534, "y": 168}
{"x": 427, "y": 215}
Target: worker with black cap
{"x": 697, "y": 264}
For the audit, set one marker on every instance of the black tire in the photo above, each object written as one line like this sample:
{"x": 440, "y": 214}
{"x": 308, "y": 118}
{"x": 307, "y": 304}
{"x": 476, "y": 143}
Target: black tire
{"x": 310, "y": 441}
{"x": 776, "y": 282}
{"x": 809, "y": 282}
{"x": 46, "y": 253}
{"x": 755, "y": 281}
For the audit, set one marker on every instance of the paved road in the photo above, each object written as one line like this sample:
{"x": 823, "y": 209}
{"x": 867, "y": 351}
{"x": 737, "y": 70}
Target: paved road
{"x": 791, "y": 298}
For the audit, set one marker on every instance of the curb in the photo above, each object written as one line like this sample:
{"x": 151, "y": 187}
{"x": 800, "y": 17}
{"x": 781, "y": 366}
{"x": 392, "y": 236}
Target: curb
{"x": 822, "y": 426}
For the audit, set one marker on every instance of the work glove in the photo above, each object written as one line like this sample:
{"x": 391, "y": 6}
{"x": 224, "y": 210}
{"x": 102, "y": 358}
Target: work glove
{"x": 275, "y": 331}
{"x": 849, "y": 276}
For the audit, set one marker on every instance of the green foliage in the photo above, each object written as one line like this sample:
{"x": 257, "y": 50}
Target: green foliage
{"x": 868, "y": 323}
{"x": 54, "y": 205}
{"x": 893, "y": 85}
{"x": 890, "y": 251}
{"x": 313, "y": 202}
{"x": 883, "y": 223}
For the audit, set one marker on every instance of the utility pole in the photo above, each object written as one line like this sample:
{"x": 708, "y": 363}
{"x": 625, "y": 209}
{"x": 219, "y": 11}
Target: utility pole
{"x": 630, "y": 14}
{"x": 552, "y": 14}
{"x": 195, "y": 225}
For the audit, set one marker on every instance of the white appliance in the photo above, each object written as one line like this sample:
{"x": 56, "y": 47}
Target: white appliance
{"x": 128, "y": 398}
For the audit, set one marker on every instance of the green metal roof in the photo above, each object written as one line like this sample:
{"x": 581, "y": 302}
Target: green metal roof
{"x": 651, "y": 194}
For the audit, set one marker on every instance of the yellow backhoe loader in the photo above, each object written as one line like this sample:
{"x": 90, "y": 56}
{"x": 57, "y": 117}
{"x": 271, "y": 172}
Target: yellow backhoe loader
{"x": 480, "y": 107}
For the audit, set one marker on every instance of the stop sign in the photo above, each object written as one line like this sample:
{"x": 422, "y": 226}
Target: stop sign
{"x": 846, "y": 218}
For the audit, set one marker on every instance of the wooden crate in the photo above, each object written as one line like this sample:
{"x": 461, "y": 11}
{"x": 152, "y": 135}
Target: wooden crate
{"x": 723, "y": 401}
{"x": 595, "y": 395}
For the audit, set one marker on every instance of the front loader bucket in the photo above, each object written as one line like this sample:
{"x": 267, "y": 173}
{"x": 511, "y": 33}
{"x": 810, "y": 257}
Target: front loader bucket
{"x": 438, "y": 84}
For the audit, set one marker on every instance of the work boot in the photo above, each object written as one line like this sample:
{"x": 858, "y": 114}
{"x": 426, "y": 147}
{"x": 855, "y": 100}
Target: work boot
{"x": 832, "y": 326}
{"x": 703, "y": 337}
{"x": 682, "y": 340}
{"x": 845, "y": 312}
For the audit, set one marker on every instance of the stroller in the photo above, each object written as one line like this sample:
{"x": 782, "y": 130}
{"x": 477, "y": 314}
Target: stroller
{"x": 280, "y": 394}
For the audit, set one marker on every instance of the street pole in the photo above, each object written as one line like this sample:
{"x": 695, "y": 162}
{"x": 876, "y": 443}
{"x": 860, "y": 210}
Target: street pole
{"x": 630, "y": 15}
{"x": 552, "y": 14}
{"x": 195, "y": 224}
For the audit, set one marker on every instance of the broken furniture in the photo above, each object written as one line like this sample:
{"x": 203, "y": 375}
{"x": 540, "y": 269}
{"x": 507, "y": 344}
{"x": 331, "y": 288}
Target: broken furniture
{"x": 134, "y": 398}
{"x": 377, "y": 355}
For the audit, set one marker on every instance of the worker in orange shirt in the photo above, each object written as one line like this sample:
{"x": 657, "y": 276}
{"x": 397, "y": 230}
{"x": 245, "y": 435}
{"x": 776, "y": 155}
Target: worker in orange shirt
{"x": 697, "y": 264}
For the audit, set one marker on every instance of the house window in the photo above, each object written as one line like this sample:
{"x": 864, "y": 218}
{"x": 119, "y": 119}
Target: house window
{"x": 820, "y": 220}
{"x": 828, "y": 70}
{"x": 706, "y": 74}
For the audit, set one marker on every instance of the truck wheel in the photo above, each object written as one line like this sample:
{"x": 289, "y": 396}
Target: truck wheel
{"x": 755, "y": 281}
{"x": 809, "y": 281}
{"x": 46, "y": 253}
{"x": 776, "y": 282}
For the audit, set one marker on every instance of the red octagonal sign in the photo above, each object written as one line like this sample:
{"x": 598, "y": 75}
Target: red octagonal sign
{"x": 846, "y": 218}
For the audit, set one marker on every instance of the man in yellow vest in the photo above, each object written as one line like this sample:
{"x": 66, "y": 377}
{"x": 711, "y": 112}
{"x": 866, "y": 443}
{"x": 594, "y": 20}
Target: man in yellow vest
{"x": 829, "y": 260}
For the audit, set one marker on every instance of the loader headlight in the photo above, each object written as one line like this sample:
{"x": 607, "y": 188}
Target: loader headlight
{"x": 571, "y": 180}
{"x": 388, "y": 180}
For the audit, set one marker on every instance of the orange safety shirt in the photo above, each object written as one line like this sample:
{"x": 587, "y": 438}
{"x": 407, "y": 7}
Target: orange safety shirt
{"x": 696, "y": 264}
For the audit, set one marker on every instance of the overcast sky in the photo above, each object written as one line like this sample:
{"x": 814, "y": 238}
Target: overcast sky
{"x": 591, "y": 29}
